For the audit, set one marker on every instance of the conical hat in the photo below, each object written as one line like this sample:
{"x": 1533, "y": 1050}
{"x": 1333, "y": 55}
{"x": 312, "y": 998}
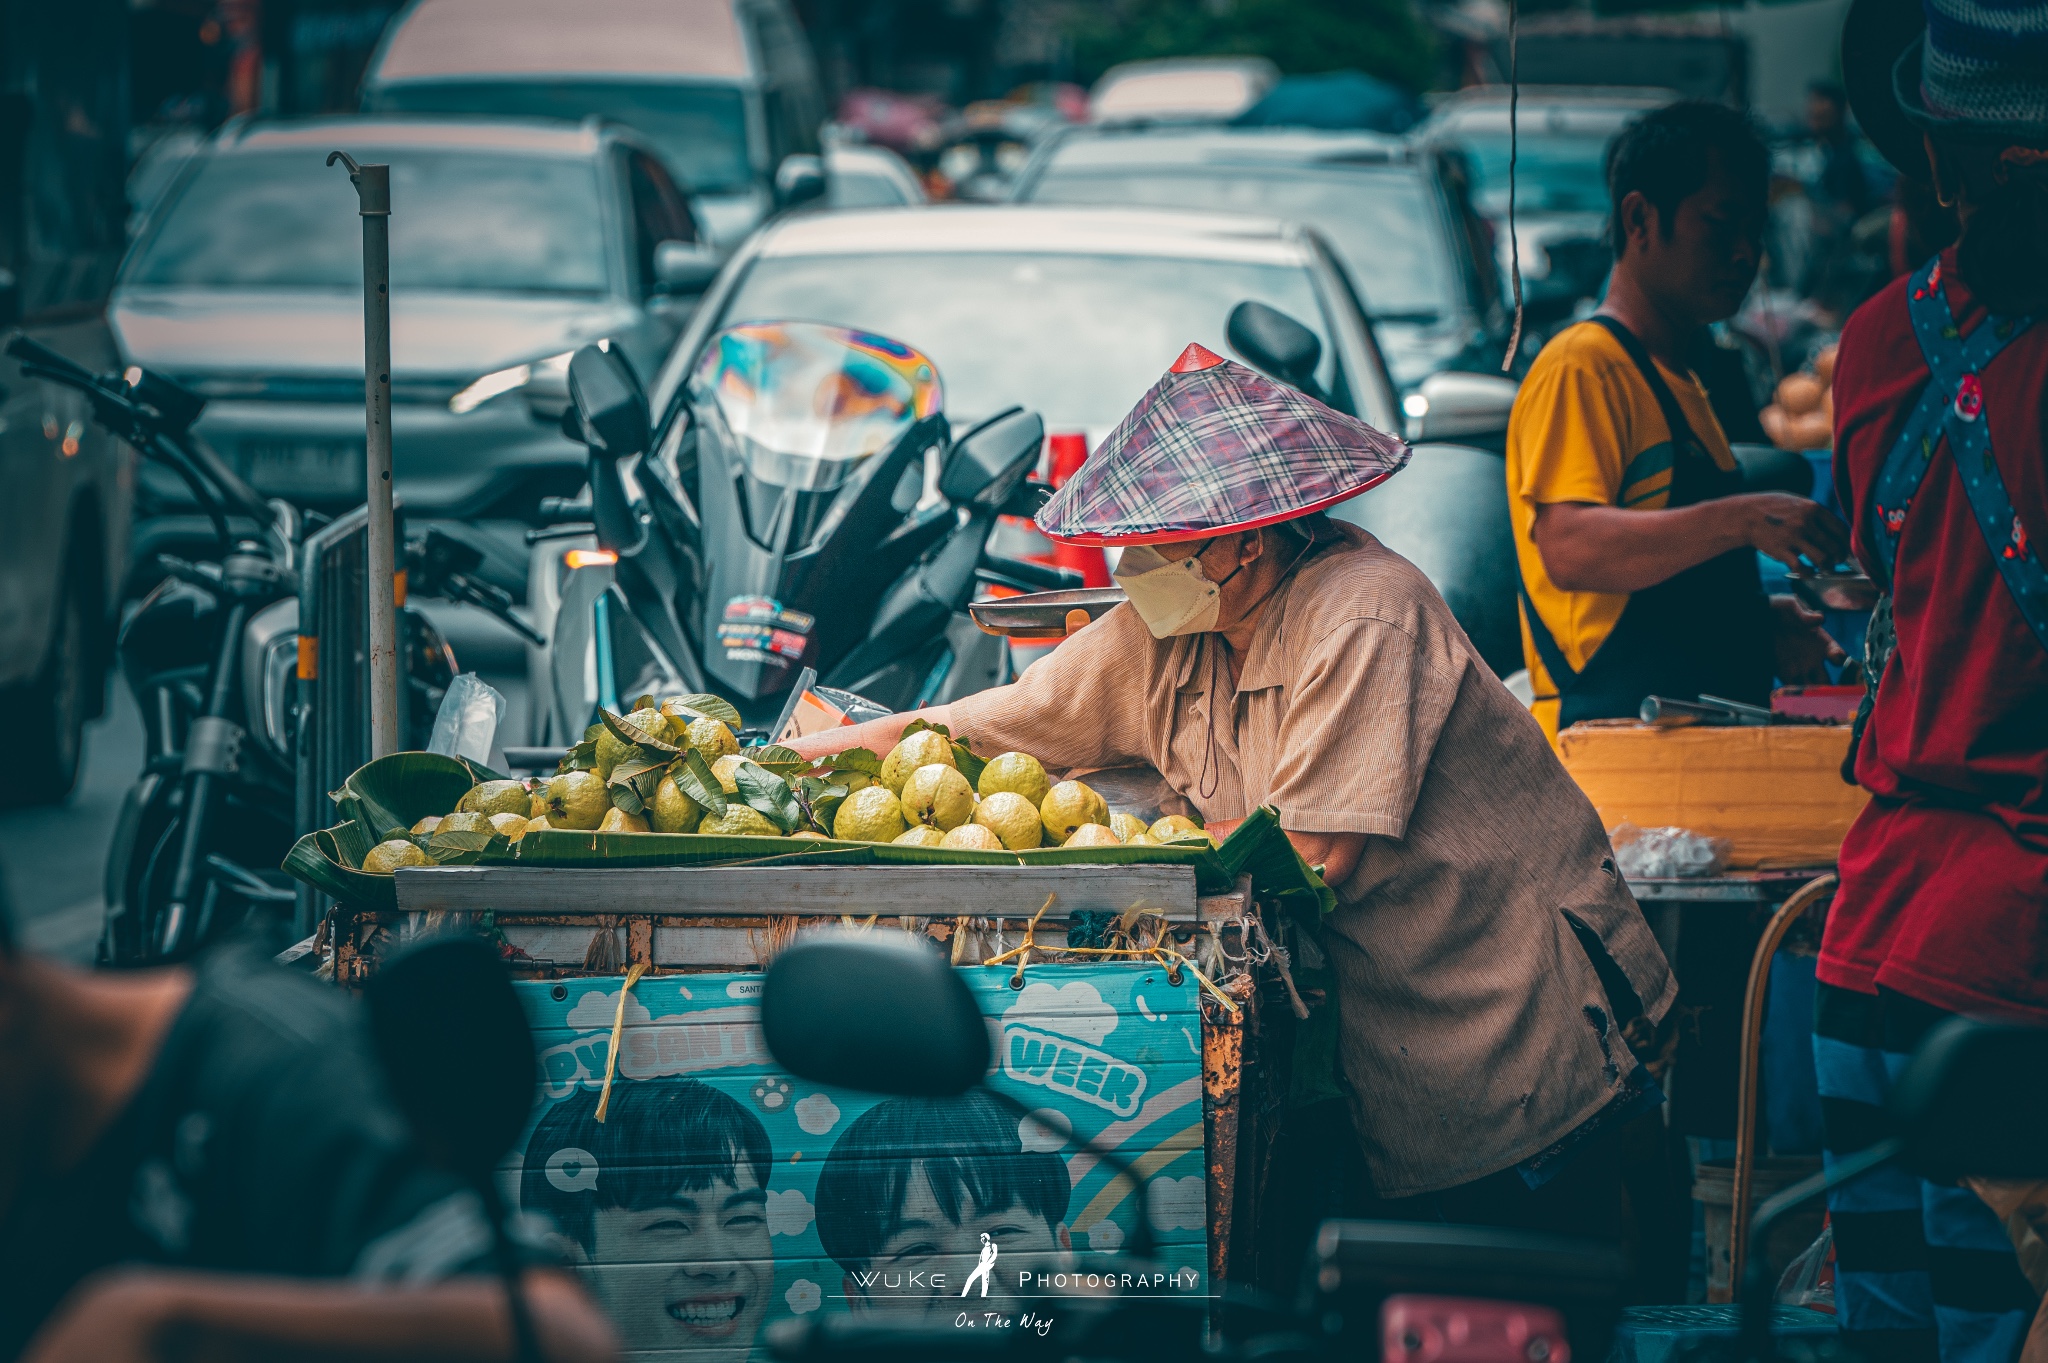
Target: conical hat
{"x": 1216, "y": 448}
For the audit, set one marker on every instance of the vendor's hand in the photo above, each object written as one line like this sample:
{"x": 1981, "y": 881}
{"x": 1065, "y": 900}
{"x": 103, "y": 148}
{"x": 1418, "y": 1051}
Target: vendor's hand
{"x": 1802, "y": 645}
{"x": 1220, "y": 829}
{"x": 1797, "y": 531}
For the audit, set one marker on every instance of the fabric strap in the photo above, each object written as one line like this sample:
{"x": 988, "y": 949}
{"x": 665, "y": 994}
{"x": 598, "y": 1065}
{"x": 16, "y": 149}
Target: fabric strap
{"x": 1950, "y": 411}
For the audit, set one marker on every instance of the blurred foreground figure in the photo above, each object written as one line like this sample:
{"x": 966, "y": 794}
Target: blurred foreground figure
{"x": 168, "y": 1135}
{"x": 1940, "y": 461}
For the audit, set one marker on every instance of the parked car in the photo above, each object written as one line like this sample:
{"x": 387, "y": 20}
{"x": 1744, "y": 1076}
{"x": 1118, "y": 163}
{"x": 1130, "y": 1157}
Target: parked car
{"x": 68, "y": 485}
{"x": 723, "y": 89}
{"x": 1560, "y": 176}
{"x": 1180, "y": 88}
{"x": 512, "y": 242}
{"x": 859, "y": 176}
{"x": 1074, "y": 313}
{"x": 1397, "y": 217}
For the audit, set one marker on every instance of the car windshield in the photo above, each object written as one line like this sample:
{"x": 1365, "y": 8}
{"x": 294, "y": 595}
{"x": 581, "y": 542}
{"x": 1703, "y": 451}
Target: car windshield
{"x": 1076, "y": 338}
{"x": 1553, "y": 174}
{"x": 460, "y": 220}
{"x": 1380, "y": 223}
{"x": 700, "y": 130}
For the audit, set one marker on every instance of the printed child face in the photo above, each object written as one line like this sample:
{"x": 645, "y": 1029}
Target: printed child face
{"x": 922, "y": 1268}
{"x": 693, "y": 1274}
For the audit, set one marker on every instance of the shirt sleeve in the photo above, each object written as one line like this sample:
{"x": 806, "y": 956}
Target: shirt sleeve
{"x": 1082, "y": 705}
{"x": 1362, "y": 722}
{"x": 1568, "y": 433}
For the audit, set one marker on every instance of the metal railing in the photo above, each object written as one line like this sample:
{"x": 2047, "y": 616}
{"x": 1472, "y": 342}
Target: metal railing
{"x": 334, "y": 679}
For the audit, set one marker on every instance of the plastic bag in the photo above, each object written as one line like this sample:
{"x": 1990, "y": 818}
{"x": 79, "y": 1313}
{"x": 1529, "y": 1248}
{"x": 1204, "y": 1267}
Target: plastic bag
{"x": 467, "y": 723}
{"x": 1652, "y": 853}
{"x": 1809, "y": 1280}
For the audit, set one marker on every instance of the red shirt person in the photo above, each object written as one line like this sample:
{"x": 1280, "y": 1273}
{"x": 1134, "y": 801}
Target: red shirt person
{"x": 1945, "y": 876}
{"x": 1943, "y": 904}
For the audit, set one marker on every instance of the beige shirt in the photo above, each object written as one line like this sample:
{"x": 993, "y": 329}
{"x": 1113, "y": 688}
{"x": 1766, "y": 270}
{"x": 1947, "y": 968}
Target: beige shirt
{"x": 1475, "y": 1030}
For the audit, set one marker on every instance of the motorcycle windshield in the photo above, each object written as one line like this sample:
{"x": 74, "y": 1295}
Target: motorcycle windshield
{"x": 807, "y": 403}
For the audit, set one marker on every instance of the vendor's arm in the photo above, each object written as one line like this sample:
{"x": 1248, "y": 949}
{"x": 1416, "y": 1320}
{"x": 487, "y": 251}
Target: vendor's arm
{"x": 876, "y": 735}
{"x": 1082, "y": 705}
{"x": 146, "y": 1314}
{"x": 1589, "y": 548}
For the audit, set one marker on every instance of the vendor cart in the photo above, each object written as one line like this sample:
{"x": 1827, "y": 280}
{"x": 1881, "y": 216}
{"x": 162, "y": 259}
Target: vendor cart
{"x": 1122, "y": 999}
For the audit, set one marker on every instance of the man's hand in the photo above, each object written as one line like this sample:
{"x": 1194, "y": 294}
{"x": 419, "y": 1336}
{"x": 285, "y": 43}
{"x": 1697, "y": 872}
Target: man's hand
{"x": 1796, "y": 531}
{"x": 1802, "y": 645}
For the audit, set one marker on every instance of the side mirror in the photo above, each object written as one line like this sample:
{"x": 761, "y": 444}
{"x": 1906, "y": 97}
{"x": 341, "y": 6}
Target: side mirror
{"x": 1973, "y": 1101}
{"x": 799, "y": 180}
{"x": 685, "y": 267}
{"x": 1451, "y": 404}
{"x": 988, "y": 463}
{"x": 1271, "y": 340}
{"x": 609, "y": 406}
{"x": 821, "y": 1022}
{"x": 456, "y": 1051}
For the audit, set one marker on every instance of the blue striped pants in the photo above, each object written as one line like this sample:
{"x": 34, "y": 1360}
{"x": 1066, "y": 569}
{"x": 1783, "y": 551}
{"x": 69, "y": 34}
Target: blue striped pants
{"x": 1921, "y": 1269}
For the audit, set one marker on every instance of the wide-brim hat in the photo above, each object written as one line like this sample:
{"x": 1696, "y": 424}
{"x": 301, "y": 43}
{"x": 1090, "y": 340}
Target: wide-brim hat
{"x": 1971, "y": 70}
{"x": 1215, "y": 448}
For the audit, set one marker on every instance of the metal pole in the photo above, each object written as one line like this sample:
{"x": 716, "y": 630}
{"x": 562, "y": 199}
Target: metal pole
{"x": 373, "y": 194}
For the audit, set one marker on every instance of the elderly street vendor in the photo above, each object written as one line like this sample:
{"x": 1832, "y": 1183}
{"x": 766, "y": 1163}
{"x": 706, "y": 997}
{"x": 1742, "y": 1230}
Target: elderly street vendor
{"x": 1486, "y": 951}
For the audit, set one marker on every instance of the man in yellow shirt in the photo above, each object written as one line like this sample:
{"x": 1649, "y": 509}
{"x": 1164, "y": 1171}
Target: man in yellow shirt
{"x": 1636, "y": 541}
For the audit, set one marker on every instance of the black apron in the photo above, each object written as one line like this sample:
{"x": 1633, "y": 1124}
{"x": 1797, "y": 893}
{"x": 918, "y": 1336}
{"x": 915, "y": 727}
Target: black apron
{"x": 1706, "y": 630}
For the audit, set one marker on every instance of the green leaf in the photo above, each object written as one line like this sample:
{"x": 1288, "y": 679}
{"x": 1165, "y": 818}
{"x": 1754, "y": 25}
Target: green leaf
{"x": 710, "y": 707}
{"x": 784, "y": 762}
{"x": 645, "y": 702}
{"x": 385, "y": 798}
{"x": 920, "y": 725}
{"x": 859, "y": 760}
{"x": 316, "y": 860}
{"x": 693, "y": 778}
{"x": 638, "y": 738}
{"x": 582, "y": 757}
{"x": 461, "y": 847}
{"x": 639, "y": 763}
{"x": 970, "y": 765}
{"x": 626, "y": 798}
{"x": 770, "y": 794}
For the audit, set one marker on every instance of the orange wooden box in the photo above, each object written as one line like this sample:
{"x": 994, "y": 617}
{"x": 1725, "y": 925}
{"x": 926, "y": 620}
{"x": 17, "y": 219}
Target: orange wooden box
{"x": 1775, "y": 792}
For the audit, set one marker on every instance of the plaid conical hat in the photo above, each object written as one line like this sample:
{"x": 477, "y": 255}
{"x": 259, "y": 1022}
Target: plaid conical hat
{"x": 1216, "y": 448}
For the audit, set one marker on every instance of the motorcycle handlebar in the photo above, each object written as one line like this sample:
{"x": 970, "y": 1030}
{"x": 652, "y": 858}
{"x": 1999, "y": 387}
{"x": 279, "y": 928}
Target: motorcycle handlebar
{"x": 212, "y": 480}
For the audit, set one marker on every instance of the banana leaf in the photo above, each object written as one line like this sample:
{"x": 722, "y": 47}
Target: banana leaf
{"x": 387, "y": 797}
{"x": 384, "y": 798}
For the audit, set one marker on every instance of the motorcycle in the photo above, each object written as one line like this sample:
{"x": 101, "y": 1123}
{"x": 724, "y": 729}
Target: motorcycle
{"x": 216, "y": 660}
{"x": 803, "y": 511}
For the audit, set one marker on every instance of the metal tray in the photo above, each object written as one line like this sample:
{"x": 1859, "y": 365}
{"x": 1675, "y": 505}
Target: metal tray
{"x": 1833, "y": 591}
{"x": 1042, "y": 616}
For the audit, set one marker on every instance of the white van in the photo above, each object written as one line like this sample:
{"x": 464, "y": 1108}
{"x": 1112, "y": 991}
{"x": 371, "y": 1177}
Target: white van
{"x": 724, "y": 89}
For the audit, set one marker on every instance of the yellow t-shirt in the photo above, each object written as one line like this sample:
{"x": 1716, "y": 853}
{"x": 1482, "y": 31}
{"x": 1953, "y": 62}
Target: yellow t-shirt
{"x": 1586, "y": 428}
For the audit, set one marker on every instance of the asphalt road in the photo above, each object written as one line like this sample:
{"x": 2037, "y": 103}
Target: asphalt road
{"x": 53, "y": 860}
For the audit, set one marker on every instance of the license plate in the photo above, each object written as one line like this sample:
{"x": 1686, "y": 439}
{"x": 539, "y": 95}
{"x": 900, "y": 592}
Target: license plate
{"x": 304, "y": 468}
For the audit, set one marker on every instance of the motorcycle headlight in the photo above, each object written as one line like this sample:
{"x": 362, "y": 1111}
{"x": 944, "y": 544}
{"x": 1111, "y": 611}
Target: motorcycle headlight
{"x": 545, "y": 381}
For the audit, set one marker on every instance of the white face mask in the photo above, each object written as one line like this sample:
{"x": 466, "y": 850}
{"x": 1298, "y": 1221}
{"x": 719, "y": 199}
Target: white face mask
{"x": 1170, "y": 597}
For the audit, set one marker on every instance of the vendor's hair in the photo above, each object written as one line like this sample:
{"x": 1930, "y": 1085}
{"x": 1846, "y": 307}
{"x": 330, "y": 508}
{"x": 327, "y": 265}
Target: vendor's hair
{"x": 659, "y": 1137}
{"x": 966, "y": 1147}
{"x": 2003, "y": 253}
{"x": 1666, "y": 156}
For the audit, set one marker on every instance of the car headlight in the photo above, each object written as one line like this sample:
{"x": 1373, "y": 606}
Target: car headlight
{"x": 544, "y": 380}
